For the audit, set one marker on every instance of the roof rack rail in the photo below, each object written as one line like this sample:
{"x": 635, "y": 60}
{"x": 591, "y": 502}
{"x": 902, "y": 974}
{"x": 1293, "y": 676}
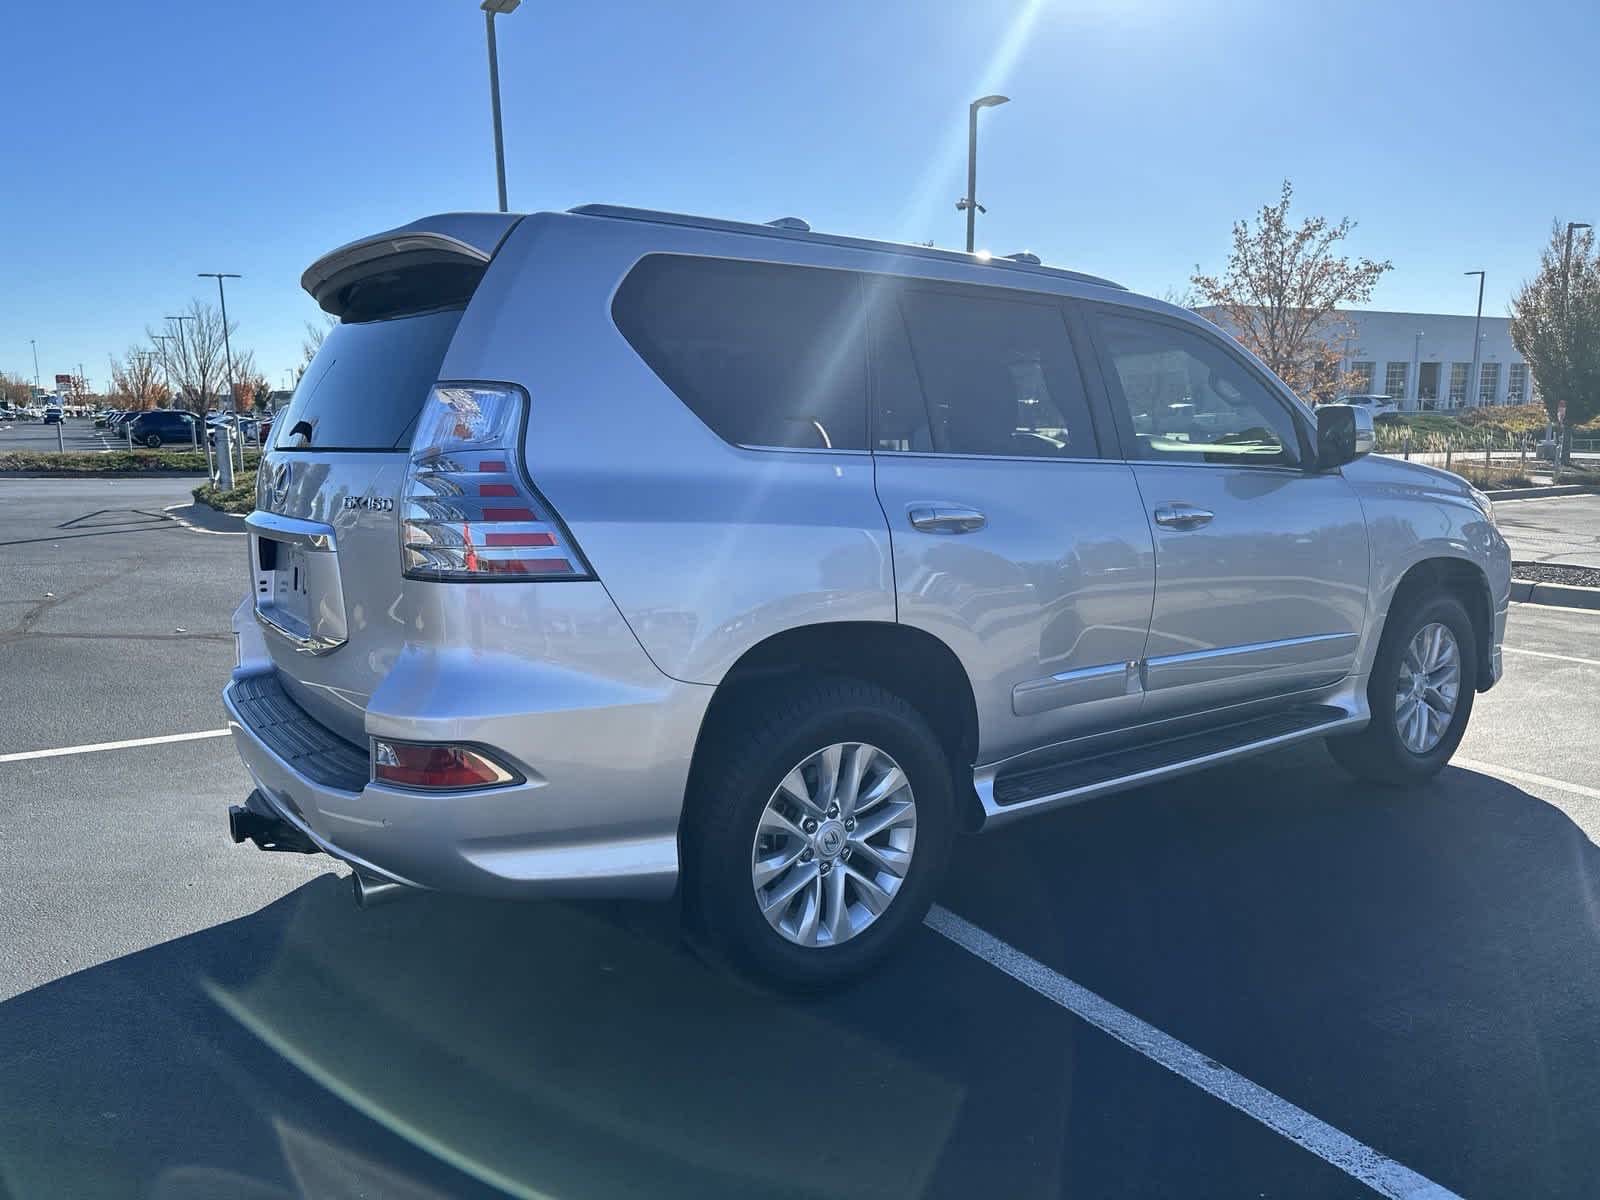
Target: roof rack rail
{"x": 782, "y": 229}
{"x": 795, "y": 223}
{"x": 1027, "y": 257}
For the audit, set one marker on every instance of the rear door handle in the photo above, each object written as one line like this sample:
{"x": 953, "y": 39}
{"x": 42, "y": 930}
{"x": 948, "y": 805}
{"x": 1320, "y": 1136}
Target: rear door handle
{"x": 1183, "y": 516}
{"x": 946, "y": 518}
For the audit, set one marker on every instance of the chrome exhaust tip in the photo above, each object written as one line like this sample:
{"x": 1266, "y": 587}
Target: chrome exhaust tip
{"x": 371, "y": 891}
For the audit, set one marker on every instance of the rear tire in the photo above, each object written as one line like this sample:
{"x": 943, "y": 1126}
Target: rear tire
{"x": 762, "y": 820}
{"x": 153, "y": 440}
{"x": 1404, "y": 745}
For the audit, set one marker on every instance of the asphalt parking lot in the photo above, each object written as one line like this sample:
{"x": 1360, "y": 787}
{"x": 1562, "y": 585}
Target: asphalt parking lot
{"x": 77, "y": 433}
{"x": 1261, "y": 981}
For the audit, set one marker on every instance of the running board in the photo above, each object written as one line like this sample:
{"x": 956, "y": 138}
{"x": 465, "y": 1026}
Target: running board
{"x": 1008, "y": 791}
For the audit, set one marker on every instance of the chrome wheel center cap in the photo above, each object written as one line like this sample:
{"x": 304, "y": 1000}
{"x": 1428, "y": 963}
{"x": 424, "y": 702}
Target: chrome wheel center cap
{"x": 830, "y": 839}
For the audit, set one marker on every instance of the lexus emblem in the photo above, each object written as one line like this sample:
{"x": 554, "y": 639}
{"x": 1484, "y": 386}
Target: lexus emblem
{"x": 280, "y": 481}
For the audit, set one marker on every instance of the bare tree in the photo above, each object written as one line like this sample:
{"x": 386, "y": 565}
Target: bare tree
{"x": 195, "y": 355}
{"x": 137, "y": 379}
{"x": 1555, "y": 325}
{"x": 315, "y": 334}
{"x": 1281, "y": 291}
{"x": 14, "y": 389}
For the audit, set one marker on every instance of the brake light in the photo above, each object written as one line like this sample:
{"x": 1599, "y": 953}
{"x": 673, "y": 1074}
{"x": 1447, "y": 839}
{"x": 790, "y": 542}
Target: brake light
{"x": 436, "y": 766}
{"x": 468, "y": 511}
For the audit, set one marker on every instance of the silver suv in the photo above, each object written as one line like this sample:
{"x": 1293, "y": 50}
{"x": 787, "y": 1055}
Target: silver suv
{"x": 621, "y": 553}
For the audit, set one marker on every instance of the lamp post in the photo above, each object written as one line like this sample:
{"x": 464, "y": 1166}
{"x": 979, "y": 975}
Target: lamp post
{"x": 166, "y": 368}
{"x": 36, "y": 388}
{"x": 969, "y": 204}
{"x": 1477, "y": 345}
{"x": 1566, "y": 266}
{"x": 227, "y": 349}
{"x": 490, "y": 9}
{"x": 178, "y": 337}
{"x": 1416, "y": 372}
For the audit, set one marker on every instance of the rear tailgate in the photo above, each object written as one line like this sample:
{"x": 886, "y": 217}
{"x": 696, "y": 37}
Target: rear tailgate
{"x": 325, "y": 537}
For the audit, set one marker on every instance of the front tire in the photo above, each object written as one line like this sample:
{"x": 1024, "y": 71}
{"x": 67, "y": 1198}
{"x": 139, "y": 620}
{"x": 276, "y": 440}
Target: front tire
{"x": 819, "y": 825}
{"x": 1420, "y": 692}
{"x": 153, "y": 440}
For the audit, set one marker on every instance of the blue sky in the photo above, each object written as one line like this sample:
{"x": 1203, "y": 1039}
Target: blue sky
{"x": 144, "y": 143}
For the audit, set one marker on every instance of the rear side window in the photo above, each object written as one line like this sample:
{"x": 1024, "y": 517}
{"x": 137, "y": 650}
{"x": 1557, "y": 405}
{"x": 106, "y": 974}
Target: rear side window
{"x": 765, "y": 355}
{"x": 365, "y": 387}
{"x": 997, "y": 375}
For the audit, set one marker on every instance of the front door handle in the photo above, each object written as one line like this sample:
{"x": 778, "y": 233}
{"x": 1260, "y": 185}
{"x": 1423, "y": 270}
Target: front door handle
{"x": 946, "y": 518}
{"x": 1183, "y": 516}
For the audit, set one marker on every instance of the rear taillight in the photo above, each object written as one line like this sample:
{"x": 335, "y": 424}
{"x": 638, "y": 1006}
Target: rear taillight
{"x": 436, "y": 766}
{"x": 468, "y": 511}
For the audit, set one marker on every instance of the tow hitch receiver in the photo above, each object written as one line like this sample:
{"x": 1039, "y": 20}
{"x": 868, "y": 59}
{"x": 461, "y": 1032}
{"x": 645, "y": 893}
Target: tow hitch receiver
{"x": 255, "y": 821}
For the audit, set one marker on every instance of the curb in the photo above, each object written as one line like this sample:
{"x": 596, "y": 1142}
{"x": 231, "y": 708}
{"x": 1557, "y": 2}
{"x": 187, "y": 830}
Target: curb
{"x": 103, "y": 474}
{"x": 1562, "y": 595}
{"x": 199, "y": 517}
{"x": 1531, "y": 493}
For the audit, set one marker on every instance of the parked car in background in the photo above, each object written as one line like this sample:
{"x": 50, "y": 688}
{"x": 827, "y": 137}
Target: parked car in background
{"x": 161, "y": 426}
{"x": 52, "y": 415}
{"x": 1381, "y": 407}
{"x": 898, "y": 542}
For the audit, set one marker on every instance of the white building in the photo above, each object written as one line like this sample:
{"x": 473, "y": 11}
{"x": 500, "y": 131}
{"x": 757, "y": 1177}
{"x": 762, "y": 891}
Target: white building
{"x": 1424, "y": 360}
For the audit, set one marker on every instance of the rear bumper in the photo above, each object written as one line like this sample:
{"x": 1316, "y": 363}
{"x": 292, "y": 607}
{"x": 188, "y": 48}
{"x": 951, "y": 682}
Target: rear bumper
{"x": 606, "y": 764}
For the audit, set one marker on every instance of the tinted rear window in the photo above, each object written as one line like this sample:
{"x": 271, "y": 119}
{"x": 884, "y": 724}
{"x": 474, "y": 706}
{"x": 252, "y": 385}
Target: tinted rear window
{"x": 365, "y": 387}
{"x": 765, "y": 355}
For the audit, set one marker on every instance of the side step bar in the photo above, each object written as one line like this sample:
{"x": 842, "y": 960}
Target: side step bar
{"x": 1008, "y": 792}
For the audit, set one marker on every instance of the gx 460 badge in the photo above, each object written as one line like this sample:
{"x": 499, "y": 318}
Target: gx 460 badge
{"x": 372, "y": 503}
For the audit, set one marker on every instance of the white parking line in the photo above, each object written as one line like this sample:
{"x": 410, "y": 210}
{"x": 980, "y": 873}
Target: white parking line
{"x": 94, "y": 747}
{"x": 1588, "y": 662}
{"x": 1356, "y": 1159}
{"x": 1507, "y": 773}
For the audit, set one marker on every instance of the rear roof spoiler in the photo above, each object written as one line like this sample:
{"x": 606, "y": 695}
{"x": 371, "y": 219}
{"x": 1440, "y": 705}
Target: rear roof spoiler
{"x": 461, "y": 243}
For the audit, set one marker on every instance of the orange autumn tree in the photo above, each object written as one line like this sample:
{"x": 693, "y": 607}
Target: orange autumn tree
{"x": 1281, "y": 292}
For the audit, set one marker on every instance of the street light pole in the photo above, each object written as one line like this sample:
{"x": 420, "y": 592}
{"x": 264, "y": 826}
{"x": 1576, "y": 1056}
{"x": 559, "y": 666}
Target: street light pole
{"x": 490, "y": 9}
{"x": 166, "y": 367}
{"x": 1416, "y": 372}
{"x": 1477, "y": 345}
{"x": 227, "y": 348}
{"x": 36, "y": 386}
{"x": 970, "y": 202}
{"x": 178, "y": 337}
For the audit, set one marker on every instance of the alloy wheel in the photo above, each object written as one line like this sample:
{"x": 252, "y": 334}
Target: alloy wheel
{"x": 833, "y": 844}
{"x": 1428, "y": 687}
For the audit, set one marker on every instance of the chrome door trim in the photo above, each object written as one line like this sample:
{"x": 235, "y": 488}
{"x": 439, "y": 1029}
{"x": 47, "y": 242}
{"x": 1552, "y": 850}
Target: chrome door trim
{"x": 1106, "y": 682}
{"x": 1168, "y": 660}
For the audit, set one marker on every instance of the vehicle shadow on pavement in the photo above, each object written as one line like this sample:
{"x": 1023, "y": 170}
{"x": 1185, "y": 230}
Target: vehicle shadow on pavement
{"x": 1418, "y": 967}
{"x": 544, "y": 1048}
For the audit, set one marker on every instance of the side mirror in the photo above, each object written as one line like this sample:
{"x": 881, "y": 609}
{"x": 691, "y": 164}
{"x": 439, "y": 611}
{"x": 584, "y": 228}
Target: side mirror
{"x": 1344, "y": 434}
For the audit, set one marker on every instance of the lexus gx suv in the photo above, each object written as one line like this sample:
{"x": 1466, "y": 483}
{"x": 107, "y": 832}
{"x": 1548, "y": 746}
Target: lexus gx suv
{"x": 624, "y": 553}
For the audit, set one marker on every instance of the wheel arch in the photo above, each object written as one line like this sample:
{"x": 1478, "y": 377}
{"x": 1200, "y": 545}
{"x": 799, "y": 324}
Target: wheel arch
{"x": 909, "y": 662}
{"x": 1467, "y": 582}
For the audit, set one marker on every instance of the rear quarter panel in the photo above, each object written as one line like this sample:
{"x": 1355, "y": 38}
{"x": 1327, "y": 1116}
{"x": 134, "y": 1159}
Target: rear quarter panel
{"x": 705, "y": 547}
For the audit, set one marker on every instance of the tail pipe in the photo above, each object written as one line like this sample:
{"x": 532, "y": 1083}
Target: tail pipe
{"x": 370, "y": 891}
